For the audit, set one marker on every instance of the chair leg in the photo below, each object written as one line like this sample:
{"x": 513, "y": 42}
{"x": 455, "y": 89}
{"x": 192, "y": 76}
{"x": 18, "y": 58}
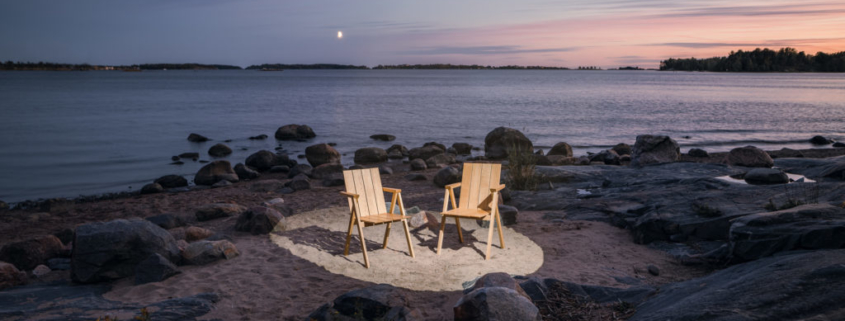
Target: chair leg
{"x": 460, "y": 234}
{"x": 408, "y": 237}
{"x": 349, "y": 234}
{"x": 490, "y": 236}
{"x": 363, "y": 246}
{"x": 386, "y": 235}
{"x": 440, "y": 236}
{"x": 499, "y": 227}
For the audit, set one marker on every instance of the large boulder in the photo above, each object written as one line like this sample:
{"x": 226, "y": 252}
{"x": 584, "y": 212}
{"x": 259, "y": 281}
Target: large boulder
{"x": 214, "y": 172}
{"x": 299, "y": 183}
{"x": 622, "y": 149}
{"x": 495, "y": 303}
{"x": 370, "y": 155}
{"x": 204, "y": 252}
{"x": 561, "y": 149}
{"x": 171, "y": 181}
{"x": 654, "y": 149}
{"x": 218, "y": 210}
{"x": 197, "y": 138}
{"x": 10, "y": 276}
{"x": 749, "y": 156}
{"x": 425, "y": 152}
{"x": 801, "y": 286}
{"x": 105, "y": 251}
{"x": 244, "y": 172}
{"x": 766, "y": 176}
{"x": 264, "y": 160}
{"x": 260, "y": 220}
{"x": 293, "y": 131}
{"x": 398, "y": 148}
{"x": 155, "y": 268}
{"x": 377, "y": 302}
{"x": 807, "y": 227}
{"x": 501, "y": 140}
{"x": 322, "y": 154}
{"x": 446, "y": 176}
{"x": 28, "y": 254}
{"x": 219, "y": 150}
{"x": 820, "y": 140}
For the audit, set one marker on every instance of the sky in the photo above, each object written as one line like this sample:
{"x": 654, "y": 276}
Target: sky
{"x": 604, "y": 33}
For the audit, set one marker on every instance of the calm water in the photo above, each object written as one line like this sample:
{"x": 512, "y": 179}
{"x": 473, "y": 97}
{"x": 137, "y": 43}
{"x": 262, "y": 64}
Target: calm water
{"x": 64, "y": 134}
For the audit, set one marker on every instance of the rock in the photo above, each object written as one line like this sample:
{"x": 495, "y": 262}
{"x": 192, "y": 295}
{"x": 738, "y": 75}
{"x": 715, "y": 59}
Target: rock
{"x": 383, "y": 137}
{"x": 327, "y": 171}
{"x": 436, "y": 144}
{"x": 838, "y": 144}
{"x": 107, "y": 251}
{"x": 790, "y": 153}
{"x": 300, "y": 169}
{"x": 204, "y": 252}
{"x": 322, "y": 154}
{"x": 583, "y": 160}
{"x": 395, "y": 155}
{"x": 766, "y": 176}
{"x": 560, "y": 149}
{"x": 245, "y": 172}
{"x": 653, "y": 270}
{"x": 418, "y": 218}
{"x": 279, "y": 169}
{"x": 425, "y": 152}
{"x": 193, "y": 233}
{"x": 197, "y": 138}
{"x": 415, "y": 177}
{"x": 495, "y": 303}
{"x": 446, "y": 176}
{"x": 155, "y": 268}
{"x": 259, "y": 137}
{"x": 300, "y": 183}
{"x": 218, "y": 210}
{"x": 698, "y": 152}
{"x": 800, "y": 286}
{"x": 287, "y": 190}
{"x": 278, "y": 204}
{"x": 260, "y": 220}
{"x": 219, "y": 150}
{"x": 221, "y": 183}
{"x": 26, "y": 255}
{"x": 538, "y": 290}
{"x": 418, "y": 164}
{"x": 171, "y": 181}
{"x": 811, "y": 227}
{"x": 335, "y": 180}
{"x": 508, "y": 215}
{"x": 385, "y": 170}
{"x": 41, "y": 271}
{"x": 653, "y": 149}
{"x": 151, "y": 188}
{"x": 559, "y": 160}
{"x": 167, "y": 221}
{"x": 215, "y": 171}
{"x": 398, "y": 148}
{"x": 440, "y": 160}
{"x": 622, "y": 149}
{"x": 293, "y": 131}
{"x": 381, "y": 301}
{"x": 190, "y": 155}
{"x": 497, "y": 279}
{"x": 264, "y": 160}
{"x": 462, "y": 148}
{"x": 10, "y": 276}
{"x": 749, "y": 156}
{"x": 608, "y": 157}
{"x": 59, "y": 264}
{"x": 370, "y": 155}
{"x": 177, "y": 163}
{"x": 501, "y": 140}
{"x": 820, "y": 140}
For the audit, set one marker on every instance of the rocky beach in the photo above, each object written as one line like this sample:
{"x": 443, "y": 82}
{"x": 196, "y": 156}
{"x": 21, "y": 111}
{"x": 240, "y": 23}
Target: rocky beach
{"x": 635, "y": 232}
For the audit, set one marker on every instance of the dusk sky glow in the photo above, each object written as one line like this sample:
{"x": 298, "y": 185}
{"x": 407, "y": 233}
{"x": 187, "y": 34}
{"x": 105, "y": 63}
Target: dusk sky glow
{"x": 606, "y": 33}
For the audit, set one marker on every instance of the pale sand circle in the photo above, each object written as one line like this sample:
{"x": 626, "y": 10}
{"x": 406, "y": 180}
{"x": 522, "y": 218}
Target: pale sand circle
{"x": 319, "y": 237}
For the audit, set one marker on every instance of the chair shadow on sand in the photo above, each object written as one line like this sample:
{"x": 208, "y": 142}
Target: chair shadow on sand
{"x": 449, "y": 243}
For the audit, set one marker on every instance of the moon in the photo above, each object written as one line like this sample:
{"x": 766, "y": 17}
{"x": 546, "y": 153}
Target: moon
{"x": 340, "y": 35}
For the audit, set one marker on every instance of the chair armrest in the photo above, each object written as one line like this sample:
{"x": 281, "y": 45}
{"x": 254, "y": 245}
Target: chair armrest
{"x": 347, "y": 194}
{"x": 497, "y": 189}
{"x": 391, "y": 190}
{"x": 453, "y": 186}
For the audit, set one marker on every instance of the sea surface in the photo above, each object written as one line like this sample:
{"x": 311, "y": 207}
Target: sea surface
{"x": 65, "y": 134}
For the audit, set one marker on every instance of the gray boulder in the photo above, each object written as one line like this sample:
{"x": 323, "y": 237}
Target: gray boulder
{"x": 204, "y": 252}
{"x": 300, "y": 169}
{"x": 218, "y": 210}
{"x": 560, "y": 149}
{"x": 622, "y": 149}
{"x": 446, "y": 176}
{"x": 383, "y": 137}
{"x": 418, "y": 164}
{"x": 167, "y": 221}
{"x": 105, "y": 251}
{"x": 654, "y": 149}
{"x": 501, "y": 140}
{"x": 171, "y": 181}
{"x": 264, "y": 160}
{"x": 155, "y": 268}
{"x": 698, "y": 152}
{"x": 197, "y": 138}
{"x": 260, "y": 220}
{"x": 820, "y": 140}
{"x": 27, "y": 254}
{"x": 425, "y": 152}
{"x": 151, "y": 188}
{"x": 300, "y": 183}
{"x": 462, "y": 148}
{"x": 440, "y": 160}
{"x": 496, "y": 303}
{"x": 326, "y": 171}
{"x": 749, "y": 156}
{"x": 219, "y": 150}
{"x": 245, "y": 172}
{"x": 370, "y": 155}
{"x": 766, "y": 176}
{"x": 322, "y": 154}
{"x": 293, "y": 131}
{"x": 398, "y": 148}
{"x": 214, "y": 172}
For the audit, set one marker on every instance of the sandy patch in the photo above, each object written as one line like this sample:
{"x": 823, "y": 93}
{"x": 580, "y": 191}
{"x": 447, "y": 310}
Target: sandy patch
{"x": 319, "y": 236}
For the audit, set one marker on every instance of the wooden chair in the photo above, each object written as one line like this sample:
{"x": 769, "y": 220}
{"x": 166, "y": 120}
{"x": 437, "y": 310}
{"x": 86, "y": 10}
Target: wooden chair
{"x": 366, "y": 207}
{"x": 479, "y": 200}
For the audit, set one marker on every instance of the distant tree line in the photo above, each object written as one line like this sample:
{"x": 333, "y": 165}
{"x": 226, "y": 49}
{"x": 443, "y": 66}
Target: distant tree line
{"x": 588, "y": 68}
{"x": 451, "y": 66}
{"x": 10, "y": 65}
{"x": 762, "y": 60}
{"x": 188, "y": 66}
{"x": 630, "y": 68}
{"x": 302, "y": 66}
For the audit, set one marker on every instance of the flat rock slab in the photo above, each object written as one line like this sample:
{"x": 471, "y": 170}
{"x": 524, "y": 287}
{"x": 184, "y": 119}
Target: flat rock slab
{"x": 65, "y": 301}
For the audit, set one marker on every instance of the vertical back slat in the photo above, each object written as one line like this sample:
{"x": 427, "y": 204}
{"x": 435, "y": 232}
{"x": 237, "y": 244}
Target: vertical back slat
{"x": 350, "y": 185}
{"x": 362, "y": 193}
{"x": 465, "y": 179}
{"x": 495, "y": 175}
{"x": 473, "y": 186}
{"x": 371, "y": 197}
{"x": 377, "y": 191}
{"x": 484, "y": 183}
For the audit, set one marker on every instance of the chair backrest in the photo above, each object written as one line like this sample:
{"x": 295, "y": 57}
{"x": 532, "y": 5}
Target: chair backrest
{"x": 476, "y": 183}
{"x": 367, "y": 184}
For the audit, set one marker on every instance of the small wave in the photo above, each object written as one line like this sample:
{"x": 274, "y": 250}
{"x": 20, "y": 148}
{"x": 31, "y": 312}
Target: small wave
{"x": 745, "y": 142}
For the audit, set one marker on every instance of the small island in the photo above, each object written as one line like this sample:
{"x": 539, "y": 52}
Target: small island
{"x": 761, "y": 60}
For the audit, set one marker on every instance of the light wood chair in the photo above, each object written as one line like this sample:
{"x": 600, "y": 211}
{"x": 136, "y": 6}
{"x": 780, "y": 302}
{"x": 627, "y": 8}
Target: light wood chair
{"x": 479, "y": 200}
{"x": 366, "y": 207}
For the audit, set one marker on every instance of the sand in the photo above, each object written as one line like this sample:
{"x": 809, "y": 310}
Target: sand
{"x": 319, "y": 237}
